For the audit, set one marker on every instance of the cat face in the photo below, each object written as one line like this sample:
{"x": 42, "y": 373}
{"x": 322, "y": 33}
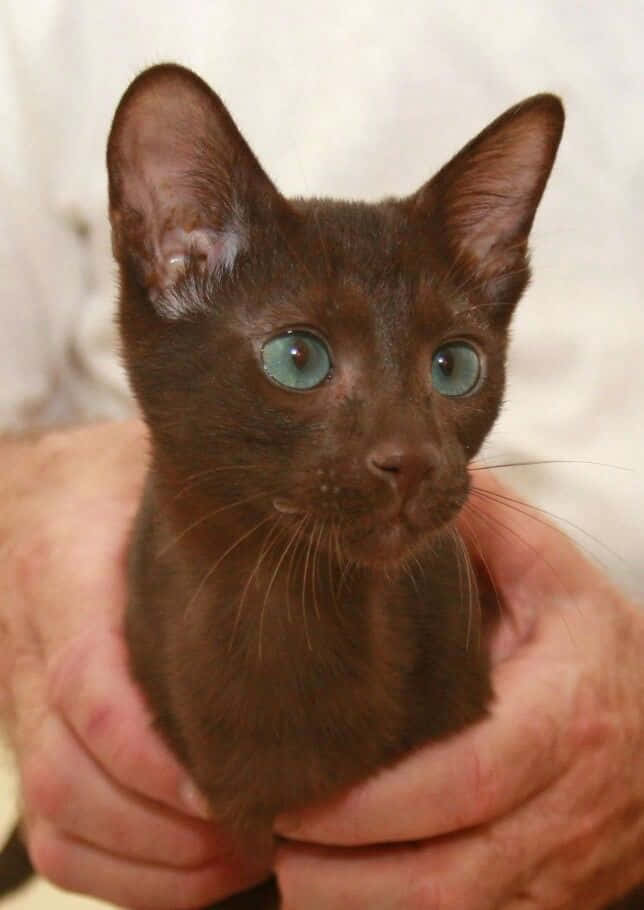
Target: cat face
{"x": 328, "y": 365}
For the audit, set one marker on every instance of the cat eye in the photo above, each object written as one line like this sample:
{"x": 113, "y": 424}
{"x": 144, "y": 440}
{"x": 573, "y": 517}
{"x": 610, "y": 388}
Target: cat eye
{"x": 456, "y": 369}
{"x": 296, "y": 360}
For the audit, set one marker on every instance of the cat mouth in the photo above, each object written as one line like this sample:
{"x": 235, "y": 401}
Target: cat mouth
{"x": 386, "y": 543}
{"x": 382, "y": 541}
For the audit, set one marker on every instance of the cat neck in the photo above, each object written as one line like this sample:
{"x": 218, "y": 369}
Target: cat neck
{"x": 279, "y": 595}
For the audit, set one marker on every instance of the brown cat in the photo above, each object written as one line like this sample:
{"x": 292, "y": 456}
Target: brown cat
{"x": 316, "y": 377}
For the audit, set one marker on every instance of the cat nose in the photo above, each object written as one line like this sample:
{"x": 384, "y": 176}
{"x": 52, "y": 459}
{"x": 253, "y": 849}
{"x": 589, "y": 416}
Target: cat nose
{"x": 403, "y": 469}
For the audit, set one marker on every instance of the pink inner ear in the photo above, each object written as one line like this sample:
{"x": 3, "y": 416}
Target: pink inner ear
{"x": 491, "y": 189}
{"x": 181, "y": 177}
{"x": 500, "y": 191}
{"x": 172, "y": 191}
{"x": 494, "y": 227}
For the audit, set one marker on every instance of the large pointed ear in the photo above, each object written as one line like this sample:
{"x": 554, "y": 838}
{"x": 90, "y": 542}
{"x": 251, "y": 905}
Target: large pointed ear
{"x": 484, "y": 200}
{"x": 182, "y": 180}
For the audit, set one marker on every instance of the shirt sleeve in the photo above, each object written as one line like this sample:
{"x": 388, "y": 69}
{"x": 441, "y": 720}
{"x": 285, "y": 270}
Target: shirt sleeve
{"x": 58, "y": 350}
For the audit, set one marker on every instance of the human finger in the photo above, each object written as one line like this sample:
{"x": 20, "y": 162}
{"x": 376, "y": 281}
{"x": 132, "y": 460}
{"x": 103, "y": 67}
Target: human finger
{"x": 385, "y": 878}
{"x": 567, "y": 847}
{"x": 90, "y": 686}
{"x": 63, "y": 785}
{"x": 77, "y": 866}
{"x": 465, "y": 780}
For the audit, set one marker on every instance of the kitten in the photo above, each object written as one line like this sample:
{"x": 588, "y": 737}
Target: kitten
{"x": 316, "y": 376}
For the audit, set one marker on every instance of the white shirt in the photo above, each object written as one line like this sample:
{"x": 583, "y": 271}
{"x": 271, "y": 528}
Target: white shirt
{"x": 359, "y": 100}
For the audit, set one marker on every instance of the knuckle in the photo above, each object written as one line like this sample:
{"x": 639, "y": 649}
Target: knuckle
{"x": 101, "y": 726}
{"x": 486, "y": 782}
{"x": 591, "y": 724}
{"x": 108, "y": 734}
{"x": 49, "y": 856}
{"x": 45, "y": 790}
{"x": 579, "y": 845}
{"x": 542, "y": 733}
{"x": 65, "y": 671}
{"x": 97, "y": 716}
{"x": 31, "y": 555}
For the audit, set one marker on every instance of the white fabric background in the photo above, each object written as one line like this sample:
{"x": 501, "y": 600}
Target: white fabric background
{"x": 360, "y": 99}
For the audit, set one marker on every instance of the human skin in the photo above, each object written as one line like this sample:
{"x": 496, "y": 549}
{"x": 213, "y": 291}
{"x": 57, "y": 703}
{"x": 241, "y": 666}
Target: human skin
{"x": 539, "y": 806}
{"x": 108, "y": 811}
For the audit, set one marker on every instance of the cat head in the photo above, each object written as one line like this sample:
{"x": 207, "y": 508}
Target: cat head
{"x": 333, "y": 365}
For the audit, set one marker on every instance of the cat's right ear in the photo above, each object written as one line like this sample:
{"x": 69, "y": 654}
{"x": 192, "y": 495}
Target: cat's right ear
{"x": 183, "y": 182}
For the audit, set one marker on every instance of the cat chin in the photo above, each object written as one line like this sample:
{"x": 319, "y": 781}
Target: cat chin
{"x": 385, "y": 546}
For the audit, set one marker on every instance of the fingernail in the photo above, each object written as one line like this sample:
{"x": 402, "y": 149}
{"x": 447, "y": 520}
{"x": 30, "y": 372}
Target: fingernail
{"x": 194, "y": 801}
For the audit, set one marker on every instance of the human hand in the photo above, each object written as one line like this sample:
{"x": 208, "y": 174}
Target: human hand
{"x": 108, "y": 810}
{"x": 540, "y": 805}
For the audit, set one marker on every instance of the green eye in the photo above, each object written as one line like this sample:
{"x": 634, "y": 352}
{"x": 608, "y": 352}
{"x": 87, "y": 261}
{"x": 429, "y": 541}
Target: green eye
{"x": 296, "y": 360}
{"x": 456, "y": 369}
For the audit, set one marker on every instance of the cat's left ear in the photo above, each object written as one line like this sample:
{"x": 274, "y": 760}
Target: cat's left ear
{"x": 483, "y": 202}
{"x": 184, "y": 185}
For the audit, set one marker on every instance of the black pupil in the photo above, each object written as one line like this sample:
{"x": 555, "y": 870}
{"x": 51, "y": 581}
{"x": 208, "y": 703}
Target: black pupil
{"x": 446, "y": 363}
{"x": 300, "y": 354}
